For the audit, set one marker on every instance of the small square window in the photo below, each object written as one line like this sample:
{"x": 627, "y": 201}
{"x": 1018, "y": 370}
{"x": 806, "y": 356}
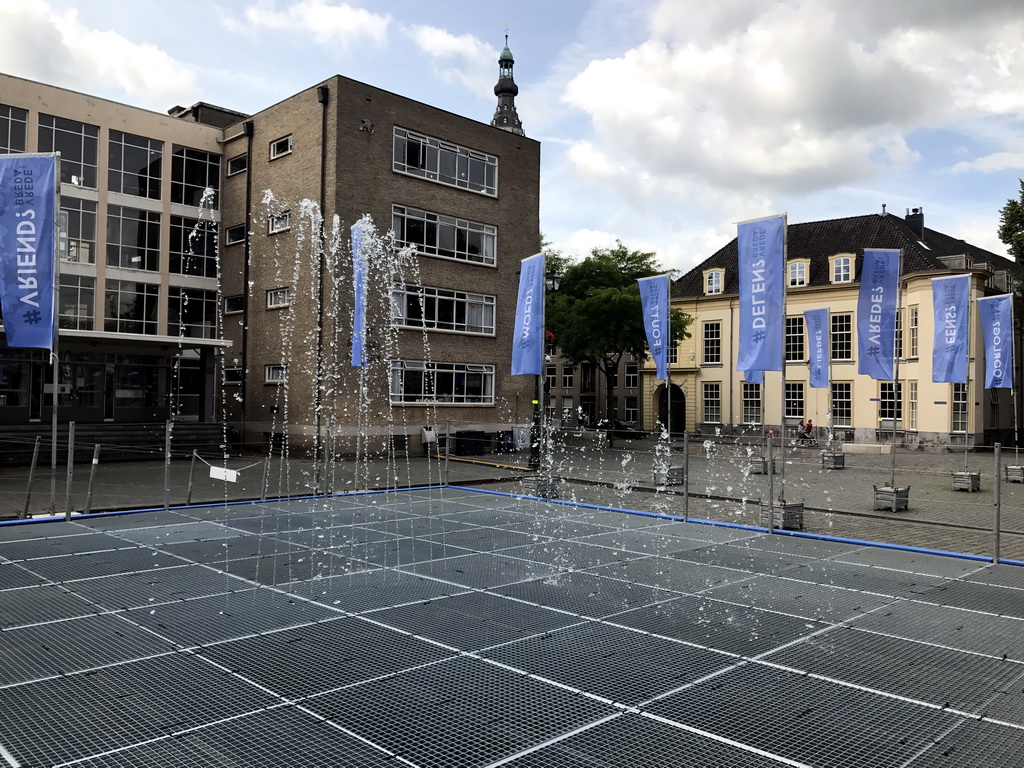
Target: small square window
{"x": 282, "y": 146}
{"x": 237, "y": 164}
{"x": 232, "y": 376}
{"x": 278, "y": 297}
{"x": 234, "y": 235}
{"x": 279, "y": 222}
{"x": 234, "y": 304}
{"x": 276, "y": 374}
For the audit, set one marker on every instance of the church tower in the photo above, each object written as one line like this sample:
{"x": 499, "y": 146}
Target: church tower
{"x": 505, "y": 116}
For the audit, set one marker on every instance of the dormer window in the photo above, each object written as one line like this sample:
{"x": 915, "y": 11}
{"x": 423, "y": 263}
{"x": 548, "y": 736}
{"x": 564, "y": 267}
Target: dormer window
{"x": 797, "y": 274}
{"x": 842, "y": 269}
{"x": 714, "y": 279}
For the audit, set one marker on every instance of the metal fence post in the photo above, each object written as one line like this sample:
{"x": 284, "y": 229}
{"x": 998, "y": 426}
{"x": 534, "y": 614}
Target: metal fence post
{"x": 997, "y": 523}
{"x": 71, "y": 470}
{"x": 191, "y": 472}
{"x": 92, "y": 479}
{"x": 167, "y": 464}
{"x": 32, "y": 474}
{"x": 686, "y": 475}
{"x": 771, "y": 487}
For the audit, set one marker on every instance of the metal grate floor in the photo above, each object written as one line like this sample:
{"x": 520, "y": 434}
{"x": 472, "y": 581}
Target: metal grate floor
{"x": 452, "y": 628}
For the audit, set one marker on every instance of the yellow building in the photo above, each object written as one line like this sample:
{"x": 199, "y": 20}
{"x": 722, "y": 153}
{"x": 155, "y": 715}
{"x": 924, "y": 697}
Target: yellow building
{"x": 823, "y": 260}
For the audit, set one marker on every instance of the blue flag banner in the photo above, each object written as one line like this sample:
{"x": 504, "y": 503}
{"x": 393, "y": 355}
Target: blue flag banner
{"x": 359, "y": 277}
{"x": 753, "y": 377}
{"x": 654, "y": 305}
{"x": 950, "y": 302}
{"x": 761, "y": 267}
{"x": 528, "y": 342}
{"x": 27, "y": 249}
{"x": 996, "y": 315}
{"x": 876, "y": 313}
{"x": 816, "y": 321}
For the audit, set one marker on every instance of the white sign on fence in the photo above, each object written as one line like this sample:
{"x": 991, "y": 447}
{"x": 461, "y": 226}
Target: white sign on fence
{"x": 219, "y": 473}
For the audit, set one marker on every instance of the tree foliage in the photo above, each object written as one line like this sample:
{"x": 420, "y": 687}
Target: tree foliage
{"x": 595, "y": 315}
{"x": 1011, "y": 226}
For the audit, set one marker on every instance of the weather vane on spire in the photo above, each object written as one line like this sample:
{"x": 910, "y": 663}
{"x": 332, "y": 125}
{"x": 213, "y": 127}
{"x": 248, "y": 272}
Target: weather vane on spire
{"x": 506, "y": 34}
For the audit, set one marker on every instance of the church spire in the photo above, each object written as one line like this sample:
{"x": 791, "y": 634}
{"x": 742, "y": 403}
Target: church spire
{"x": 505, "y": 116}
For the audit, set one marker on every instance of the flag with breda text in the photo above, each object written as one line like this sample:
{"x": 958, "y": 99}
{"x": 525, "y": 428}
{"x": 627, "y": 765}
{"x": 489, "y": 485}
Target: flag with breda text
{"x": 876, "y": 313}
{"x": 816, "y": 321}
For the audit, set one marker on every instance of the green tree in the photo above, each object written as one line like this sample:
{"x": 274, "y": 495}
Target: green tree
{"x": 595, "y": 316}
{"x": 1011, "y": 226}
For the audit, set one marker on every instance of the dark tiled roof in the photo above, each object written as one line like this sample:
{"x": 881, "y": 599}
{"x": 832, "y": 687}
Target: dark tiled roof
{"x": 818, "y": 240}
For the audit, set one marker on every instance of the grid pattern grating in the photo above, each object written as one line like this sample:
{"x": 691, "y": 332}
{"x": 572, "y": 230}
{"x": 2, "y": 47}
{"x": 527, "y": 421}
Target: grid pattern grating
{"x": 796, "y": 598}
{"x": 150, "y": 588}
{"x": 33, "y": 605}
{"x": 586, "y": 594}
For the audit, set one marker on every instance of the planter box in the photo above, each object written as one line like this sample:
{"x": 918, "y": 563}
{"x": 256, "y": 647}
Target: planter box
{"x": 543, "y": 487}
{"x": 760, "y": 467}
{"x": 670, "y": 476}
{"x": 788, "y": 516}
{"x": 833, "y": 460}
{"x": 967, "y": 481}
{"x": 886, "y": 497}
{"x": 1014, "y": 474}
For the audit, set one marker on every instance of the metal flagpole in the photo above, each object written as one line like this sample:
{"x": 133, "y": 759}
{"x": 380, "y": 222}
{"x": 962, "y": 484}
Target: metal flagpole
{"x": 896, "y": 411}
{"x": 782, "y": 415}
{"x": 1013, "y": 396}
{"x": 967, "y": 383}
{"x": 668, "y": 365}
{"x": 54, "y": 351}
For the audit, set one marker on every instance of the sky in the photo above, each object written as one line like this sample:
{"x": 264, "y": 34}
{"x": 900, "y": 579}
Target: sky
{"x": 662, "y": 123}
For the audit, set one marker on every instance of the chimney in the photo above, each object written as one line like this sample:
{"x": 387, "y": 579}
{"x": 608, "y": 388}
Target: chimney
{"x": 915, "y": 220}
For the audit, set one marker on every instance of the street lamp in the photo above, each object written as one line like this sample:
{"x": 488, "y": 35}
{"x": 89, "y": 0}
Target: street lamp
{"x": 552, "y": 282}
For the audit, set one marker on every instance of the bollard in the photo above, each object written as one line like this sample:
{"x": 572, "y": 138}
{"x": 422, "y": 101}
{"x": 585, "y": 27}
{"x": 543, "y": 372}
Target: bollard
{"x": 686, "y": 476}
{"x": 71, "y": 470}
{"x": 997, "y": 523}
{"x": 167, "y": 465}
{"x": 92, "y": 479}
{"x": 771, "y": 487}
{"x": 31, "y": 475}
{"x": 191, "y": 473}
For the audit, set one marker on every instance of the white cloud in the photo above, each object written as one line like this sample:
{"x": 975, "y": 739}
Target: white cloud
{"x": 581, "y": 242}
{"x": 1000, "y": 161}
{"x": 338, "y": 25}
{"x": 40, "y": 43}
{"x": 458, "y": 59}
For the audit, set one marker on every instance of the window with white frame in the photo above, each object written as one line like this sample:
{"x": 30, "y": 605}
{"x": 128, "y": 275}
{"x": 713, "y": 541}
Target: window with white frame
{"x": 842, "y": 403}
{"x": 417, "y": 381}
{"x": 444, "y": 162}
{"x": 279, "y": 147}
{"x": 712, "y": 402}
{"x": 632, "y": 375}
{"x": 550, "y": 377}
{"x": 440, "y": 309}
{"x": 841, "y": 336}
{"x": 238, "y": 164}
{"x": 632, "y": 412}
{"x": 797, "y": 273}
{"x": 13, "y": 129}
{"x": 890, "y": 404}
{"x": 134, "y": 165}
{"x": 794, "y": 399}
{"x": 712, "y": 343}
{"x": 234, "y": 304}
{"x": 279, "y": 222}
{"x": 276, "y": 373}
{"x": 795, "y": 339}
{"x": 842, "y": 269}
{"x": 912, "y": 322}
{"x": 912, "y": 404}
{"x": 446, "y": 237}
{"x": 959, "y": 410}
{"x": 751, "y": 403}
{"x": 673, "y": 353}
{"x": 279, "y": 297}
{"x": 567, "y": 375}
{"x": 713, "y": 282}
{"x": 234, "y": 235}
{"x": 232, "y": 377}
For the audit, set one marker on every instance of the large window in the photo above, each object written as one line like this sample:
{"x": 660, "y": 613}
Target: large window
{"x": 712, "y": 402}
{"x": 841, "y": 336}
{"x": 751, "y": 403}
{"x": 632, "y": 375}
{"x": 632, "y": 412}
{"x": 912, "y": 323}
{"x": 842, "y": 403}
{"x": 414, "y": 381}
{"x": 133, "y": 238}
{"x": 959, "y": 421}
{"x": 193, "y": 247}
{"x": 77, "y": 294}
{"x": 795, "y": 339}
{"x": 444, "y": 162}
{"x": 588, "y": 379}
{"x": 890, "y": 404}
{"x": 192, "y": 173}
{"x": 898, "y": 346}
{"x": 673, "y": 353}
{"x": 550, "y": 377}
{"x": 442, "y": 310}
{"x": 713, "y": 343}
{"x": 13, "y": 122}
{"x": 78, "y": 144}
{"x": 567, "y": 371}
{"x": 794, "y": 399}
{"x": 131, "y": 307}
{"x": 568, "y": 411}
{"x": 445, "y": 236}
{"x": 134, "y": 165}
{"x": 81, "y": 229}
{"x": 912, "y": 404}
{"x": 193, "y": 313}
